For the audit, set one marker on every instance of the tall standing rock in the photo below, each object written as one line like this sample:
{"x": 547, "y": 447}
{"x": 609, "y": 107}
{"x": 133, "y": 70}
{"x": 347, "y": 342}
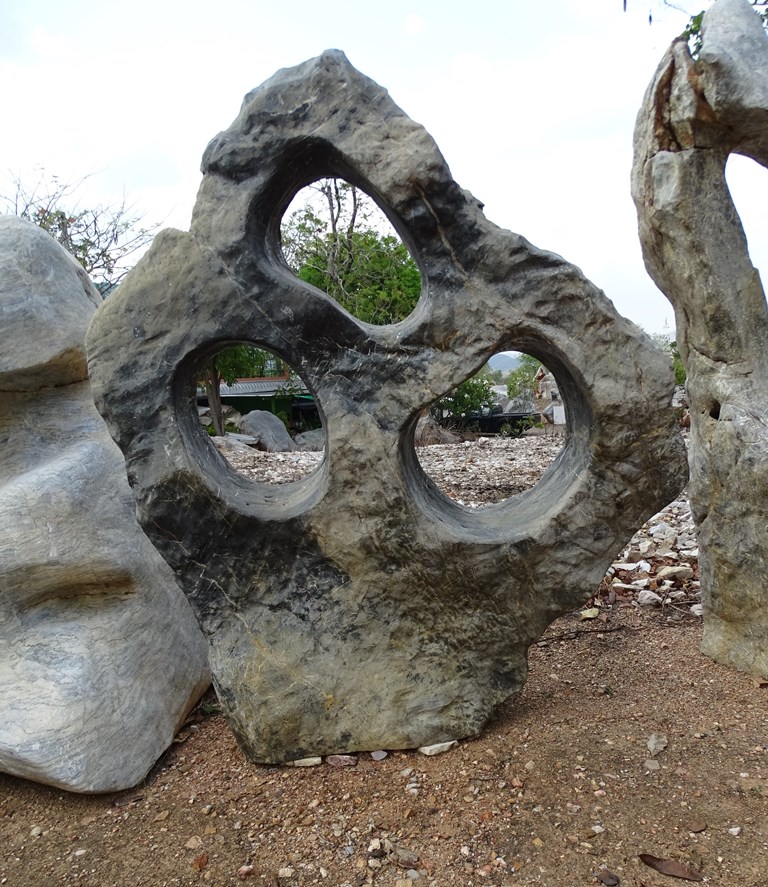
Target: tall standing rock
{"x": 360, "y": 608}
{"x": 696, "y": 113}
{"x": 100, "y": 655}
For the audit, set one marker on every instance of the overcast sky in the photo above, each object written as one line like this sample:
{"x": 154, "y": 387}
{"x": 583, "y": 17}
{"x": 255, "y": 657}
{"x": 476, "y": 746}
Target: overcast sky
{"x": 532, "y": 104}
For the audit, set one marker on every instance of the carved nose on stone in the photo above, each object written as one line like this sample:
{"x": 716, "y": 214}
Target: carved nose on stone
{"x": 358, "y": 608}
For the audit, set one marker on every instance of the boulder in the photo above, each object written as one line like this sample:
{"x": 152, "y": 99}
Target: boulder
{"x": 359, "y": 607}
{"x": 429, "y": 432}
{"x": 694, "y": 114}
{"x": 268, "y": 430}
{"x": 310, "y": 441}
{"x": 100, "y": 654}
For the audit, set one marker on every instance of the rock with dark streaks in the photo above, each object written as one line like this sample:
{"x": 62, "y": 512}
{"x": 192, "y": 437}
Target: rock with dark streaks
{"x": 359, "y": 608}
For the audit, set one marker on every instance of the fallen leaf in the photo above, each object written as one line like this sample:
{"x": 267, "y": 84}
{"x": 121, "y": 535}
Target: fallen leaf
{"x": 591, "y": 613}
{"x": 200, "y": 862}
{"x": 670, "y": 867}
{"x": 607, "y": 878}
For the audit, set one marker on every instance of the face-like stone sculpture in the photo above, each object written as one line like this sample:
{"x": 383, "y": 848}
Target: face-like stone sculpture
{"x": 100, "y": 655}
{"x": 360, "y": 608}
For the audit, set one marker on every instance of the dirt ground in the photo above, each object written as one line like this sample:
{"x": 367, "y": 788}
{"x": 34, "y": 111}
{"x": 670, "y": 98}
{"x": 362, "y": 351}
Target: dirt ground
{"x": 624, "y": 741}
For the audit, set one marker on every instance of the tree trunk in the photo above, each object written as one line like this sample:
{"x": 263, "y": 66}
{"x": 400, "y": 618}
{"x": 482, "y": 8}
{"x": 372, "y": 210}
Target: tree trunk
{"x": 212, "y": 389}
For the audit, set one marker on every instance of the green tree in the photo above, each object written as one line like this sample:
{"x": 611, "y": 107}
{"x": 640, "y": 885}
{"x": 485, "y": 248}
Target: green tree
{"x": 338, "y": 242}
{"x": 103, "y": 239}
{"x": 520, "y": 381}
{"x": 471, "y": 396}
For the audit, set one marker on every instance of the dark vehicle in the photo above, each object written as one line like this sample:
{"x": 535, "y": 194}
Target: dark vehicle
{"x": 496, "y": 422}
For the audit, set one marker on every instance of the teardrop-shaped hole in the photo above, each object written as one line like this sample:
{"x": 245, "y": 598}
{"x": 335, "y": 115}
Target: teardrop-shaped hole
{"x": 495, "y": 434}
{"x": 335, "y": 237}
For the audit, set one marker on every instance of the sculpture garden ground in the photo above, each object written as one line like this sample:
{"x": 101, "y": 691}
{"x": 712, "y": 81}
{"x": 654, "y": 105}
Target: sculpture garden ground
{"x": 557, "y": 786}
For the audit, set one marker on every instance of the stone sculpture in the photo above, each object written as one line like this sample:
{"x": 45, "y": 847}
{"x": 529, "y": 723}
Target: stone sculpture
{"x": 694, "y": 115}
{"x": 100, "y": 655}
{"x": 359, "y": 608}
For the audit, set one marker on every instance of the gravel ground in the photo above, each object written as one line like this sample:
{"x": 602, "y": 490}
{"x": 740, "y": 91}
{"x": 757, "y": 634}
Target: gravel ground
{"x": 625, "y": 750}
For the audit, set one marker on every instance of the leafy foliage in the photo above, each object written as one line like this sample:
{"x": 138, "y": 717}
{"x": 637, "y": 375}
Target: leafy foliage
{"x": 472, "y": 396}
{"x": 520, "y": 381}
{"x": 336, "y": 243}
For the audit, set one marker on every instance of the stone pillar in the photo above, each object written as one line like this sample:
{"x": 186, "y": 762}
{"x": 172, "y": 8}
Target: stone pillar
{"x": 695, "y": 113}
{"x": 360, "y": 608}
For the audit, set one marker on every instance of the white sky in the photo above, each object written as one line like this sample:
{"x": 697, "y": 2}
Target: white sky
{"x": 531, "y": 102}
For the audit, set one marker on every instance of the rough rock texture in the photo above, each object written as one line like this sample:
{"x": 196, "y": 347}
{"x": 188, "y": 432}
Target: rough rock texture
{"x": 270, "y": 432}
{"x": 100, "y": 656}
{"x": 358, "y": 607}
{"x": 694, "y": 114}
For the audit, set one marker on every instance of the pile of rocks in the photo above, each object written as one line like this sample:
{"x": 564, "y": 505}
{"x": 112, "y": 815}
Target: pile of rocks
{"x": 660, "y": 566}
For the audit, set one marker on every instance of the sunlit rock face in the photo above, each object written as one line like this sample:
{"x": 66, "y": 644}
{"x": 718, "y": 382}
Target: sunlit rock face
{"x": 694, "y": 114}
{"x": 360, "y": 608}
{"x": 100, "y": 654}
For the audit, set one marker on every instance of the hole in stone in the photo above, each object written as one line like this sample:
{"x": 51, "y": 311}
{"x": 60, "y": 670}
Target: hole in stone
{"x": 335, "y": 237}
{"x": 265, "y": 421}
{"x": 714, "y": 411}
{"x": 748, "y": 185}
{"x": 494, "y": 435}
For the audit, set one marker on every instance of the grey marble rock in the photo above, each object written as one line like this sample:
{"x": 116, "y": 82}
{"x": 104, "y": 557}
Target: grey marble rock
{"x": 360, "y": 608}
{"x": 41, "y": 346}
{"x": 100, "y": 654}
{"x": 269, "y": 431}
{"x": 695, "y": 113}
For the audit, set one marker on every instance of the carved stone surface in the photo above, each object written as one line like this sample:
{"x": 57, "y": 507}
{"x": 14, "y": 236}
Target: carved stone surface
{"x": 359, "y": 608}
{"x": 694, "y": 114}
{"x": 100, "y": 655}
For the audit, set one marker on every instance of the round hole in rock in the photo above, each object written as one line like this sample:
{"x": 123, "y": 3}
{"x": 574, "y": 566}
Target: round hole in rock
{"x": 261, "y": 416}
{"x": 335, "y": 237}
{"x": 494, "y": 435}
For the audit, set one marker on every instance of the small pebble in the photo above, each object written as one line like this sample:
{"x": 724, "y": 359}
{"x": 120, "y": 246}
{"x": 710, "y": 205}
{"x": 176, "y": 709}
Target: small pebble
{"x": 438, "y": 748}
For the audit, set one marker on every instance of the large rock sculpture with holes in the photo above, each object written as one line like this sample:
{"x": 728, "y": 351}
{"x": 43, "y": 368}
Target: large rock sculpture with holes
{"x": 100, "y": 654}
{"x": 360, "y": 608}
{"x": 694, "y": 114}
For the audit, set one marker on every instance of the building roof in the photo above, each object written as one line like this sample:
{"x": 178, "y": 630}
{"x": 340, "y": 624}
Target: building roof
{"x": 264, "y": 388}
